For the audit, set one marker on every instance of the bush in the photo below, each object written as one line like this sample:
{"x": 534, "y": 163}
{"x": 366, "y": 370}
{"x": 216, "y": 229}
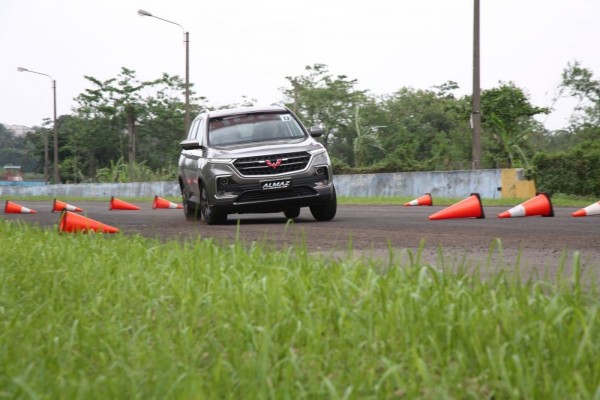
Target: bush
{"x": 575, "y": 172}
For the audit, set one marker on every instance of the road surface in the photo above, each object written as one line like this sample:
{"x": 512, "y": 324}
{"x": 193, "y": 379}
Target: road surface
{"x": 536, "y": 244}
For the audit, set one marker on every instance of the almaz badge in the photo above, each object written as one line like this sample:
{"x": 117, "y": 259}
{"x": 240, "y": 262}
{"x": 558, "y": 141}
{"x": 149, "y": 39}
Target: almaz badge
{"x": 276, "y": 185}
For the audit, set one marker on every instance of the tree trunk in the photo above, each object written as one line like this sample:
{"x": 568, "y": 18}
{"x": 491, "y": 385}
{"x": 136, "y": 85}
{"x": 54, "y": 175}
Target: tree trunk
{"x": 131, "y": 133}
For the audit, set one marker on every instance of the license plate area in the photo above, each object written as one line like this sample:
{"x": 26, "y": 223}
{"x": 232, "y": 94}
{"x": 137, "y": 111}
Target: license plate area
{"x": 278, "y": 184}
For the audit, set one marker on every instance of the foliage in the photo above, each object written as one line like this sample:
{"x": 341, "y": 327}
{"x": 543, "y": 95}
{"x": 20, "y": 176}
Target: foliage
{"x": 579, "y": 82}
{"x": 16, "y": 150}
{"x": 118, "y": 172}
{"x": 576, "y": 171}
{"x": 428, "y": 128}
{"x": 123, "y": 118}
{"x": 569, "y": 160}
{"x": 507, "y": 120}
{"x": 319, "y": 98}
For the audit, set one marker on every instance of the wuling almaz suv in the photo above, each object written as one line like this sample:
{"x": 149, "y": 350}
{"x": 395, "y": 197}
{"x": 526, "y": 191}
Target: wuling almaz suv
{"x": 254, "y": 160}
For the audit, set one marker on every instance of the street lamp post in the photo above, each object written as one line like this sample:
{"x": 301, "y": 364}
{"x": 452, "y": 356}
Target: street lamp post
{"x": 56, "y": 171}
{"x": 186, "y": 40}
{"x": 476, "y": 103}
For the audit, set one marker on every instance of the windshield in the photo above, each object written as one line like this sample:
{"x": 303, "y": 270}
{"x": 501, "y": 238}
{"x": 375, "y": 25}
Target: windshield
{"x": 256, "y": 127}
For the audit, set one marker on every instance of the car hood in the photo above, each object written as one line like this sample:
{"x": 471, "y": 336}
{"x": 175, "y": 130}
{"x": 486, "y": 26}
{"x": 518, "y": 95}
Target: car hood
{"x": 263, "y": 148}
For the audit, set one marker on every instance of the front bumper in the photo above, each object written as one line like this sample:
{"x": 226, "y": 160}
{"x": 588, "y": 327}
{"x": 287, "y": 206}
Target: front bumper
{"x": 250, "y": 198}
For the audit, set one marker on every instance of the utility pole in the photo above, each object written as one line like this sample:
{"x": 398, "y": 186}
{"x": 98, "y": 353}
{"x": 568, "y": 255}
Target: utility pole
{"x": 55, "y": 137}
{"x": 56, "y": 166}
{"x": 186, "y": 40}
{"x": 476, "y": 101}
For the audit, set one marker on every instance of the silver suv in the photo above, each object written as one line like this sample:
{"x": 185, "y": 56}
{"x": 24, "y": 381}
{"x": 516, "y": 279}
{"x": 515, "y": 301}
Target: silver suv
{"x": 254, "y": 160}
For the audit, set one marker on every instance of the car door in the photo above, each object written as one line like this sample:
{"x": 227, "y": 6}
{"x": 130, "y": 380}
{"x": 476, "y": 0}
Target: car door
{"x": 193, "y": 156}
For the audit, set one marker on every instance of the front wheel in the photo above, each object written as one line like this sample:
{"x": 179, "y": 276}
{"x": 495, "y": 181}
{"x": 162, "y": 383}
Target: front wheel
{"x": 291, "y": 213}
{"x": 191, "y": 210}
{"x": 325, "y": 211}
{"x": 211, "y": 215}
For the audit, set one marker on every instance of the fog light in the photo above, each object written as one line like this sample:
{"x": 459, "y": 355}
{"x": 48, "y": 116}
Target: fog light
{"x": 320, "y": 171}
{"x": 224, "y": 181}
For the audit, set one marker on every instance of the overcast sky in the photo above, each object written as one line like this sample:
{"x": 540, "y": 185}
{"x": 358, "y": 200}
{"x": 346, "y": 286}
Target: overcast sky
{"x": 241, "y": 47}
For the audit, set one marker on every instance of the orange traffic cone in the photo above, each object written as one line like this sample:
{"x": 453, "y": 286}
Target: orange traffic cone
{"x": 538, "y": 205}
{"x": 14, "y": 208}
{"x": 62, "y": 206}
{"x": 424, "y": 200}
{"x": 159, "y": 202}
{"x": 71, "y": 222}
{"x": 116, "y": 204}
{"x": 468, "y": 208}
{"x": 592, "y": 209}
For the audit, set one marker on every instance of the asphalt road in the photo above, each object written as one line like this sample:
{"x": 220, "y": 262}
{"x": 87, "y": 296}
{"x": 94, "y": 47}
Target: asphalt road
{"x": 536, "y": 243}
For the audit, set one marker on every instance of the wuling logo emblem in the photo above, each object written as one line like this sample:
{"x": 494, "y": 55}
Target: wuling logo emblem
{"x": 273, "y": 165}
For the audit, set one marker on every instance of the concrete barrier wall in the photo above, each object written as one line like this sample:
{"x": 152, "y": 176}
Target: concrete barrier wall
{"x": 442, "y": 184}
{"x": 141, "y": 189}
{"x": 488, "y": 183}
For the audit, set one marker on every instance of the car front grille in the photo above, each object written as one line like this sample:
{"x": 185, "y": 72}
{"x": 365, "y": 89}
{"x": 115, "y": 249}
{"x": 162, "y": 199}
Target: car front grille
{"x": 257, "y": 196}
{"x": 272, "y": 164}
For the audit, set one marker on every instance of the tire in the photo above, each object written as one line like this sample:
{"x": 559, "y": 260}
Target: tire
{"x": 211, "y": 215}
{"x": 325, "y": 211}
{"x": 292, "y": 212}
{"x": 191, "y": 210}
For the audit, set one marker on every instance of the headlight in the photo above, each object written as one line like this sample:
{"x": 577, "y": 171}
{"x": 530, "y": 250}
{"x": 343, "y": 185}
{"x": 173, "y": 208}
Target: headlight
{"x": 317, "y": 151}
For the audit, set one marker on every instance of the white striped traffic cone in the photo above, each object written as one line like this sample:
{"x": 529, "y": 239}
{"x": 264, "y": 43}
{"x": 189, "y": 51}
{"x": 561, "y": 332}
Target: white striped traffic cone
{"x": 424, "y": 200}
{"x": 592, "y": 209}
{"x": 14, "y": 208}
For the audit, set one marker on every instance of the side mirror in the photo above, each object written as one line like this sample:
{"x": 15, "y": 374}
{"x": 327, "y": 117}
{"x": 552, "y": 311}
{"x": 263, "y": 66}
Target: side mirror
{"x": 316, "y": 131}
{"x": 190, "y": 144}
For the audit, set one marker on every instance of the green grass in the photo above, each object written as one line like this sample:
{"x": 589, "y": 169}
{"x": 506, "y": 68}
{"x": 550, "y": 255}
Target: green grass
{"x": 126, "y": 317}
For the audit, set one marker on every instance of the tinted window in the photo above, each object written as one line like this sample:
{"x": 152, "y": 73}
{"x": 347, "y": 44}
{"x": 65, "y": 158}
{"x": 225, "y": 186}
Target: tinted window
{"x": 257, "y": 127}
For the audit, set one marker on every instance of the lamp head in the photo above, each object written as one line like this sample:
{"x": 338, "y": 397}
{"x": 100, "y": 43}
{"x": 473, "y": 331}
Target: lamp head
{"x": 21, "y": 69}
{"x": 144, "y": 13}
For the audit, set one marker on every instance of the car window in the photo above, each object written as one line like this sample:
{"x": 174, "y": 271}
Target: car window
{"x": 193, "y": 129}
{"x": 256, "y": 127}
{"x": 200, "y": 131}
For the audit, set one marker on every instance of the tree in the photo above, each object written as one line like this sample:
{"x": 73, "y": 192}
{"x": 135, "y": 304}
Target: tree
{"x": 18, "y": 150}
{"x": 579, "y": 82}
{"x": 367, "y": 146}
{"x": 508, "y": 124}
{"x": 162, "y": 127}
{"x": 320, "y": 98}
{"x": 120, "y": 100}
{"x": 149, "y": 112}
{"x": 426, "y": 129}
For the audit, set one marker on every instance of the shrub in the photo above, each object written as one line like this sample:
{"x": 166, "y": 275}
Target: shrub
{"x": 575, "y": 172}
